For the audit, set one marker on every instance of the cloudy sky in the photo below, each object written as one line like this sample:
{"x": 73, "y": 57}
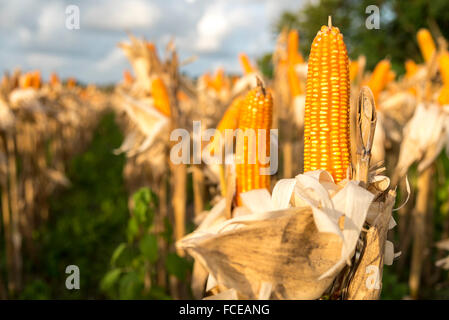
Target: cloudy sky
{"x": 33, "y": 33}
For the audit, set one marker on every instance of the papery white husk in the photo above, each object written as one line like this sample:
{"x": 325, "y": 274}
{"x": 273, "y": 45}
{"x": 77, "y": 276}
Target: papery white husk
{"x": 149, "y": 122}
{"x": 253, "y": 248}
{"x": 424, "y": 137}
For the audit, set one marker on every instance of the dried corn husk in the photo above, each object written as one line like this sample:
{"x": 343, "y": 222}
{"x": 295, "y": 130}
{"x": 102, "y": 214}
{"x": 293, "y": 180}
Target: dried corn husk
{"x": 298, "y": 250}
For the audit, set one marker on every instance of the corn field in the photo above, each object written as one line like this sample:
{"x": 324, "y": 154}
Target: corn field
{"x": 322, "y": 179}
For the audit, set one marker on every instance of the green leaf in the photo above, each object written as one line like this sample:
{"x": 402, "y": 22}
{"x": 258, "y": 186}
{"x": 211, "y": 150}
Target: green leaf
{"x": 158, "y": 293}
{"x": 131, "y": 286}
{"x": 177, "y": 266}
{"x": 148, "y": 247}
{"x": 167, "y": 234}
{"x": 143, "y": 207}
{"x": 133, "y": 229}
{"x": 117, "y": 253}
{"x": 110, "y": 279}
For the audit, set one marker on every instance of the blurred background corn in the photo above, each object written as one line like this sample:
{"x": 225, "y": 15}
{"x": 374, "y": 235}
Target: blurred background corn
{"x": 293, "y": 55}
{"x": 380, "y": 77}
{"x": 229, "y": 120}
{"x": 160, "y": 96}
{"x": 443, "y": 62}
{"x": 426, "y": 44}
{"x": 246, "y": 64}
{"x": 326, "y": 127}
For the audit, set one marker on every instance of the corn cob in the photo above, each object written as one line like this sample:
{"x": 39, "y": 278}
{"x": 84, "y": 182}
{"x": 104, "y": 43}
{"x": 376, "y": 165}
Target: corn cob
{"x": 426, "y": 44}
{"x": 293, "y": 81}
{"x": 231, "y": 117}
{"x": 160, "y": 96}
{"x": 379, "y": 78}
{"x": 229, "y": 120}
{"x": 293, "y": 55}
{"x": 246, "y": 64}
{"x": 326, "y": 126}
{"x": 255, "y": 113}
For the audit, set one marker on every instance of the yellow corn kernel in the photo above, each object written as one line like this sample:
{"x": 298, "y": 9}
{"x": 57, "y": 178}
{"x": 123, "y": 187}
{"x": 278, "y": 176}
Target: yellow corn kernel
{"x": 293, "y": 55}
{"x": 256, "y": 113}
{"x": 246, "y": 64}
{"x": 426, "y": 44}
{"x": 326, "y": 125}
{"x": 160, "y": 96}
{"x": 353, "y": 70}
{"x": 293, "y": 81}
{"x": 379, "y": 78}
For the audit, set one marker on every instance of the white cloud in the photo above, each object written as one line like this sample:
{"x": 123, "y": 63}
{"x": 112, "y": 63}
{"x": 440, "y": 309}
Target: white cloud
{"x": 114, "y": 58}
{"x": 51, "y": 21}
{"x": 211, "y": 29}
{"x": 38, "y": 60}
{"x": 119, "y": 15}
{"x": 33, "y": 33}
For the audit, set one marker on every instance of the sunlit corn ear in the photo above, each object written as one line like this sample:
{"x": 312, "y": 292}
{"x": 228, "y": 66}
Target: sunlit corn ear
{"x": 256, "y": 113}
{"x": 326, "y": 125}
{"x": 426, "y": 44}
{"x": 160, "y": 96}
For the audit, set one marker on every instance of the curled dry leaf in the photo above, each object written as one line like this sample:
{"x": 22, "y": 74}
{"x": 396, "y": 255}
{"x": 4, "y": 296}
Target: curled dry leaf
{"x": 424, "y": 138}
